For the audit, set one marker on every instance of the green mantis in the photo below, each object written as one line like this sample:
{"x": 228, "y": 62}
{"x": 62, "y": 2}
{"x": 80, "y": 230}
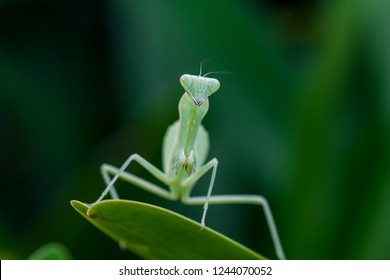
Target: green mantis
{"x": 185, "y": 149}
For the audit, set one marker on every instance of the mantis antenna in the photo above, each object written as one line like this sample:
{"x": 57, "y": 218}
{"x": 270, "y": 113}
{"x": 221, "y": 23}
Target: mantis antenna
{"x": 217, "y": 72}
{"x": 201, "y": 65}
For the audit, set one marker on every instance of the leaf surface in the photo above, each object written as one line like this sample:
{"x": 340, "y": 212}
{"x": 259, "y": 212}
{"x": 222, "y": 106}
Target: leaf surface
{"x": 153, "y": 232}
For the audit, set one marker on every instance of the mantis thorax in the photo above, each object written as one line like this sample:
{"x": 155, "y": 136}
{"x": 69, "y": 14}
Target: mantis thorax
{"x": 193, "y": 106}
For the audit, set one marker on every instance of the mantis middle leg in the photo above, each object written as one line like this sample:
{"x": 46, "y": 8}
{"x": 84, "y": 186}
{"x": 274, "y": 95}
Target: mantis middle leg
{"x": 194, "y": 178}
{"x": 107, "y": 169}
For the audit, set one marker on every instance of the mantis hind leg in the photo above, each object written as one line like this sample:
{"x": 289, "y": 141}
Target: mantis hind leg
{"x": 107, "y": 169}
{"x": 235, "y": 199}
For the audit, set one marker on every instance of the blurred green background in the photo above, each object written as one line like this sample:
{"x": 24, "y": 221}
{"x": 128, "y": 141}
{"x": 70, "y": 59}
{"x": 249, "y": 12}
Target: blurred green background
{"x": 303, "y": 119}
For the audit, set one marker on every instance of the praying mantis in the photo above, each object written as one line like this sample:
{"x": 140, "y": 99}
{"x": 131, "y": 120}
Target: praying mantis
{"x": 184, "y": 152}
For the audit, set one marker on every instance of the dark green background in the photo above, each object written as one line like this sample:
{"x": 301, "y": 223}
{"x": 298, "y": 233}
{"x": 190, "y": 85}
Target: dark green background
{"x": 303, "y": 119}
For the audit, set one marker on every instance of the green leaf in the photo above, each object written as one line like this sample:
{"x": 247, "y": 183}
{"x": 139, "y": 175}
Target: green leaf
{"x": 153, "y": 232}
{"x": 51, "y": 251}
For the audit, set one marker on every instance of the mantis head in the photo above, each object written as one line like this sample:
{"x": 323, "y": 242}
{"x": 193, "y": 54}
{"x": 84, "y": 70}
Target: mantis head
{"x": 199, "y": 88}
